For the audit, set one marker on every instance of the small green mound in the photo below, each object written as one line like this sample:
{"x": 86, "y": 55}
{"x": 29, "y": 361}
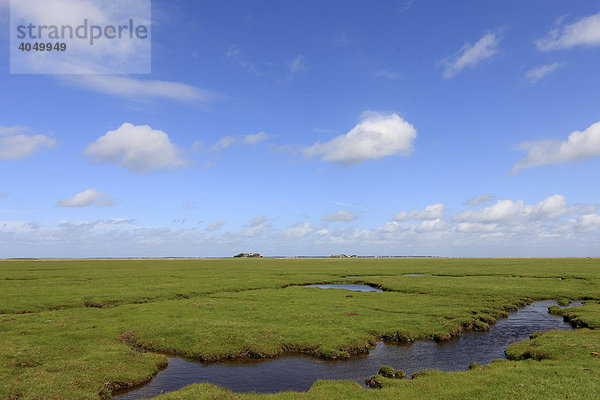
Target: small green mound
{"x": 386, "y": 371}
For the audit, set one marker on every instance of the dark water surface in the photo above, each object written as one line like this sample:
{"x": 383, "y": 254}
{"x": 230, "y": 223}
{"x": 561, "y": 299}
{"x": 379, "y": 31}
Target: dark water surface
{"x": 299, "y": 373}
{"x": 354, "y": 288}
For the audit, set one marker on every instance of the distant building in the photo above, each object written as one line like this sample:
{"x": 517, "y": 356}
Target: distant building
{"x": 338, "y": 256}
{"x": 247, "y": 255}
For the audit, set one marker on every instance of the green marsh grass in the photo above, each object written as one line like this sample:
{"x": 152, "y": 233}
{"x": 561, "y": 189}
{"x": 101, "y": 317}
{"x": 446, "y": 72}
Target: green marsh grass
{"x": 78, "y": 329}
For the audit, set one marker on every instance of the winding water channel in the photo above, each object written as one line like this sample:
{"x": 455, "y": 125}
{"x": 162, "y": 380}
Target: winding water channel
{"x": 299, "y": 373}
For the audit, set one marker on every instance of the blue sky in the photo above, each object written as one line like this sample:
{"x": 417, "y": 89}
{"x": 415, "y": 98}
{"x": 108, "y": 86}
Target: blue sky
{"x": 309, "y": 128}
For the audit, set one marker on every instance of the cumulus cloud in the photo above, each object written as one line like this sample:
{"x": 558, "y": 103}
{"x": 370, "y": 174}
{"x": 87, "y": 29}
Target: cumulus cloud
{"x": 378, "y": 135}
{"x": 87, "y": 198}
{"x": 535, "y": 74}
{"x": 15, "y": 143}
{"x": 431, "y": 212}
{"x": 578, "y": 146}
{"x": 433, "y": 225}
{"x": 339, "y": 216}
{"x": 588, "y": 222}
{"x": 139, "y": 149}
{"x": 142, "y": 90}
{"x": 509, "y": 211}
{"x": 584, "y": 32}
{"x": 251, "y": 139}
{"x": 472, "y": 54}
{"x": 298, "y": 230}
{"x": 215, "y": 225}
{"x": 482, "y": 199}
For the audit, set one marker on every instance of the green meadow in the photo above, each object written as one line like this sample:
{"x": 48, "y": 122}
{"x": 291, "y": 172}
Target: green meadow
{"x": 81, "y": 329}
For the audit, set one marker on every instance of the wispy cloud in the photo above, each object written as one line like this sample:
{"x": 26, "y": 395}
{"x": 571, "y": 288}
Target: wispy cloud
{"x": 15, "y": 143}
{"x": 405, "y": 6}
{"x": 384, "y": 73}
{"x": 234, "y": 54}
{"x": 584, "y": 32}
{"x": 215, "y": 225}
{"x": 250, "y": 139}
{"x": 339, "y": 216}
{"x": 87, "y": 198}
{"x": 295, "y": 66}
{"x": 141, "y": 90}
{"x": 472, "y": 54}
{"x": 535, "y": 74}
{"x": 340, "y": 39}
{"x": 482, "y": 199}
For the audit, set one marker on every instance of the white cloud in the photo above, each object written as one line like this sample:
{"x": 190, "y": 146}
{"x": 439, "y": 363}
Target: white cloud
{"x": 378, "y": 135}
{"x": 588, "y": 222}
{"x": 15, "y": 144}
{"x": 578, "y": 146}
{"x": 339, "y": 216}
{"x": 471, "y": 55}
{"x": 255, "y": 138}
{"x": 550, "y": 227}
{"x": 431, "y": 212}
{"x": 18, "y": 226}
{"x": 139, "y": 149}
{"x": 510, "y": 212}
{"x": 215, "y": 225}
{"x": 482, "y": 199}
{"x": 475, "y": 227}
{"x": 552, "y": 207}
{"x": 139, "y": 89}
{"x": 433, "y": 225}
{"x": 298, "y": 230}
{"x": 251, "y": 139}
{"x": 535, "y": 74}
{"x": 87, "y": 198}
{"x": 584, "y": 32}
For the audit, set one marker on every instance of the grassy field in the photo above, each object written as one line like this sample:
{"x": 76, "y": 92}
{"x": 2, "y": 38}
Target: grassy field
{"x": 79, "y": 329}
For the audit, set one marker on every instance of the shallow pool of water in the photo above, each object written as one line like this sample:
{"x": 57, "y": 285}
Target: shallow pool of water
{"x": 415, "y": 275}
{"x": 299, "y": 373}
{"x": 354, "y": 288}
